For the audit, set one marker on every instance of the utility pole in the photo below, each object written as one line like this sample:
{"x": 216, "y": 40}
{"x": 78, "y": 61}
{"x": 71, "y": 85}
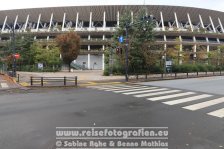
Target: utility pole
{"x": 126, "y": 53}
{"x": 13, "y": 52}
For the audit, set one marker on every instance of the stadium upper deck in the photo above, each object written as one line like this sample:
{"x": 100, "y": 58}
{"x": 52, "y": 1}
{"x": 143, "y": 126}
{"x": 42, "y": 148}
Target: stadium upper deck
{"x": 96, "y": 25}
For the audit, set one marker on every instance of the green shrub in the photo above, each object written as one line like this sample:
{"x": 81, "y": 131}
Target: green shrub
{"x": 202, "y": 68}
{"x": 210, "y": 68}
{"x": 106, "y": 71}
{"x": 156, "y": 69}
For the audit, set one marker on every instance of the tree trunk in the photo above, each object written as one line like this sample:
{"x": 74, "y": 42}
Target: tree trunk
{"x": 69, "y": 68}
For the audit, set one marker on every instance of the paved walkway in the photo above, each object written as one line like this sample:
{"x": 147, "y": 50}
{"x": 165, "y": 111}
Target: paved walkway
{"x": 85, "y": 76}
{"x": 6, "y": 83}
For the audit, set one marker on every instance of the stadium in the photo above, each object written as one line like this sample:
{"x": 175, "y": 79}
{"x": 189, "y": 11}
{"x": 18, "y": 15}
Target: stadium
{"x": 190, "y": 28}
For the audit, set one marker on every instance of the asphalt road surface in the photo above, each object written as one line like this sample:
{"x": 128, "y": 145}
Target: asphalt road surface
{"x": 29, "y": 120}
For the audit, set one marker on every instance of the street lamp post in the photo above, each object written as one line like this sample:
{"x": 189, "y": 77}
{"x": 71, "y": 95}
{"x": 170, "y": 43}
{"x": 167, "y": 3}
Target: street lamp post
{"x": 126, "y": 53}
{"x": 14, "y": 52}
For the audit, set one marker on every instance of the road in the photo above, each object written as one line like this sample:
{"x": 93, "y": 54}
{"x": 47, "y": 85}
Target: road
{"x": 28, "y": 119}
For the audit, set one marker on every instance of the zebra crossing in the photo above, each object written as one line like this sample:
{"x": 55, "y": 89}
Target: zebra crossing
{"x": 4, "y": 85}
{"x": 169, "y": 96}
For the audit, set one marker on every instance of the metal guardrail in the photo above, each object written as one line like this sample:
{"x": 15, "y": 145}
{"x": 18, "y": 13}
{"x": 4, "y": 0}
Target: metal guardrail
{"x": 169, "y": 76}
{"x": 54, "y": 81}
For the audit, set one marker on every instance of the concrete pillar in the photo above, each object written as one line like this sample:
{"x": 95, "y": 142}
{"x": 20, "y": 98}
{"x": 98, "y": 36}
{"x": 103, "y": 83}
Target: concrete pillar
{"x": 195, "y": 50}
{"x": 27, "y": 19}
{"x": 63, "y": 23}
{"x": 90, "y": 20}
{"x": 3, "y": 27}
{"x": 89, "y": 61}
{"x": 77, "y": 21}
{"x": 15, "y": 22}
{"x": 103, "y": 58}
{"x": 161, "y": 15}
{"x": 118, "y": 19}
{"x": 104, "y": 19}
{"x": 38, "y": 22}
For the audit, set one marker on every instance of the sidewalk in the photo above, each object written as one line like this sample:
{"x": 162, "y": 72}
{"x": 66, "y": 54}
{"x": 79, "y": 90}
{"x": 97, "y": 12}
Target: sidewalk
{"x": 93, "y": 77}
{"x": 85, "y": 76}
{"x": 7, "y": 82}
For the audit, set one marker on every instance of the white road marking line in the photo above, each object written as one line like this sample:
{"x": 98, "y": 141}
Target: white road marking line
{"x": 170, "y": 96}
{"x": 157, "y": 93}
{"x": 137, "y": 89}
{"x": 146, "y": 91}
{"x": 218, "y": 113}
{"x": 205, "y": 104}
{"x": 188, "y": 99}
{"x": 125, "y": 88}
{"x": 4, "y": 85}
{"x": 111, "y": 87}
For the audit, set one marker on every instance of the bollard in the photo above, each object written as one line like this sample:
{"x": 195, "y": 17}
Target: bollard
{"x": 76, "y": 83}
{"x": 187, "y": 74}
{"x": 175, "y": 75}
{"x": 137, "y": 76}
{"x": 18, "y": 78}
{"x": 162, "y": 75}
{"x": 64, "y": 81}
{"x": 220, "y": 72}
{"x": 31, "y": 81}
{"x": 213, "y": 73}
{"x": 42, "y": 81}
{"x": 146, "y": 76}
{"x": 197, "y": 73}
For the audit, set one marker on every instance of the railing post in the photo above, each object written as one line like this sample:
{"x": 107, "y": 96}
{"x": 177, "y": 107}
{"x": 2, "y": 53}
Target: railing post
{"x": 31, "y": 81}
{"x": 64, "y": 81}
{"x": 42, "y": 81}
{"x": 18, "y": 78}
{"x": 76, "y": 80}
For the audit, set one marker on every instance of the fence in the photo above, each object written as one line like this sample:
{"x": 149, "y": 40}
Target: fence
{"x": 168, "y": 76}
{"x": 53, "y": 81}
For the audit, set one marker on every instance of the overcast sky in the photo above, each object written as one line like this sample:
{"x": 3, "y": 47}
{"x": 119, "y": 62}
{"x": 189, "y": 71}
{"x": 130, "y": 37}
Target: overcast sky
{"x": 18, "y": 4}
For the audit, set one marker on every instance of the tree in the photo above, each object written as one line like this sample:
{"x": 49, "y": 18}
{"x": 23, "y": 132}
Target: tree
{"x": 49, "y": 56}
{"x": 22, "y": 46}
{"x": 69, "y": 45}
{"x": 141, "y": 36}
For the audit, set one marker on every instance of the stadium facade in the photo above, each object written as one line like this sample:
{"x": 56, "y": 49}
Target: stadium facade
{"x": 175, "y": 25}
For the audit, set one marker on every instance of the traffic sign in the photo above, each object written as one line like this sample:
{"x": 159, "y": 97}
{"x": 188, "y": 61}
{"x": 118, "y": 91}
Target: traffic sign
{"x": 121, "y": 39}
{"x": 17, "y": 55}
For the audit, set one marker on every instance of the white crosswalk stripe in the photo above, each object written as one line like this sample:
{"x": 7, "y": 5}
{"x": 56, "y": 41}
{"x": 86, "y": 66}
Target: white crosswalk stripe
{"x": 113, "y": 88}
{"x": 145, "y": 91}
{"x": 4, "y": 85}
{"x": 204, "y": 104}
{"x": 183, "y": 100}
{"x": 137, "y": 89}
{"x": 218, "y": 113}
{"x": 170, "y": 96}
{"x": 125, "y": 88}
{"x": 157, "y": 93}
{"x": 173, "y": 96}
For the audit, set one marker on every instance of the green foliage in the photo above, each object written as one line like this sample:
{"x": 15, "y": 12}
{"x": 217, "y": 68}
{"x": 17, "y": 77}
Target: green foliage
{"x": 32, "y": 53}
{"x": 141, "y": 51}
{"x": 49, "y": 56}
{"x": 194, "y": 68}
